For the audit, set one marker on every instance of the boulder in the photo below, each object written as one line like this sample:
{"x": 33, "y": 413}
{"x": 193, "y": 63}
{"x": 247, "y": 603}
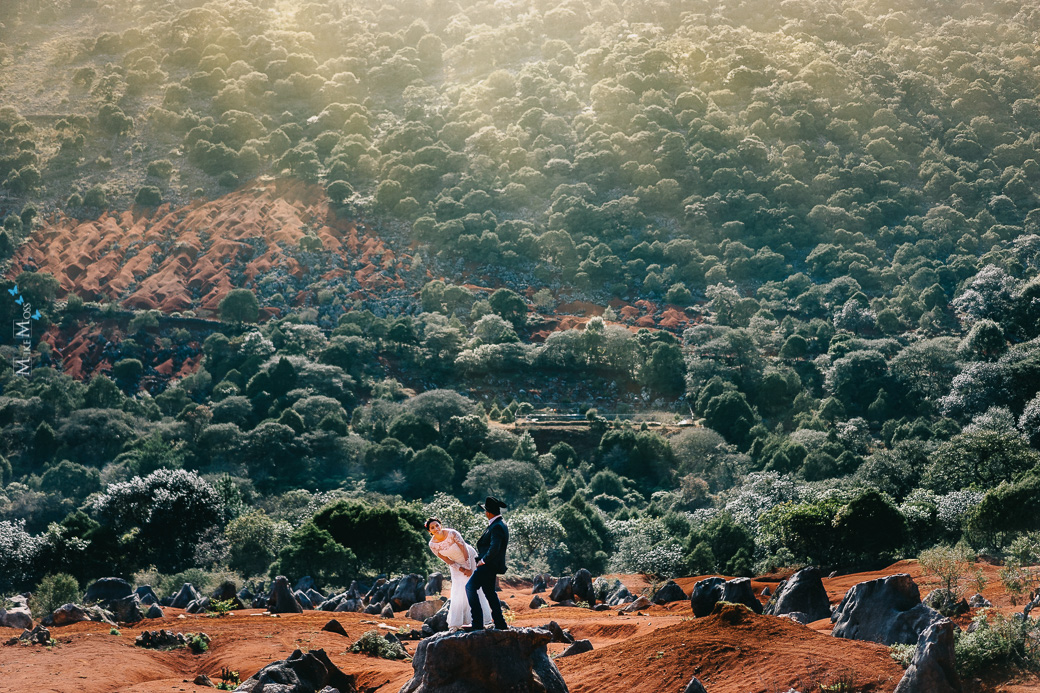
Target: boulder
{"x": 618, "y": 594}
{"x": 558, "y": 634}
{"x": 259, "y": 602}
{"x": 160, "y": 640}
{"x": 977, "y": 601}
{"x": 438, "y": 623}
{"x": 637, "y": 605}
{"x": 669, "y": 592}
{"x": 334, "y": 626}
{"x": 387, "y": 612}
{"x": 563, "y": 591}
{"x": 379, "y": 588}
{"x": 107, "y": 589}
{"x": 281, "y": 599}
{"x": 374, "y": 608}
{"x": 332, "y": 602}
{"x": 581, "y": 585}
{"x": 315, "y": 597}
{"x": 602, "y": 588}
{"x": 434, "y": 584}
{"x": 203, "y": 680}
{"x": 420, "y": 611}
{"x": 246, "y": 596}
{"x": 154, "y": 611}
{"x": 38, "y": 635}
{"x": 304, "y": 600}
{"x": 127, "y": 609}
{"x": 19, "y": 617}
{"x": 483, "y": 660}
{"x": 766, "y": 592}
{"x": 579, "y": 647}
{"x": 887, "y": 610}
{"x": 803, "y": 593}
{"x": 410, "y": 589}
{"x": 694, "y": 686}
{"x": 351, "y": 605}
{"x": 147, "y": 595}
{"x": 354, "y": 592}
{"x": 305, "y": 583}
{"x": 708, "y": 592}
{"x": 67, "y": 614}
{"x": 185, "y": 596}
{"x": 932, "y": 669}
{"x": 537, "y": 602}
{"x": 539, "y": 584}
{"x": 99, "y": 615}
{"x": 300, "y": 673}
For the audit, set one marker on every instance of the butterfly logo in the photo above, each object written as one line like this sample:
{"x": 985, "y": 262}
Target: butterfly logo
{"x": 13, "y": 291}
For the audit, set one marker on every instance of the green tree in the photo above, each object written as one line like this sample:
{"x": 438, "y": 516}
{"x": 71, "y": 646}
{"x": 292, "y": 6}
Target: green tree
{"x": 313, "y": 551}
{"x": 239, "y": 305}
{"x": 509, "y": 305}
{"x": 980, "y": 458}
{"x": 383, "y": 538}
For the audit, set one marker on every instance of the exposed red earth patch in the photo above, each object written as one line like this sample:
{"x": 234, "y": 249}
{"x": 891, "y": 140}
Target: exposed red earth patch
{"x": 656, "y": 650}
{"x": 180, "y": 259}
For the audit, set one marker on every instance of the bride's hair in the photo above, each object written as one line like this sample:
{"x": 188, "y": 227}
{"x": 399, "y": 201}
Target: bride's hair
{"x": 431, "y": 521}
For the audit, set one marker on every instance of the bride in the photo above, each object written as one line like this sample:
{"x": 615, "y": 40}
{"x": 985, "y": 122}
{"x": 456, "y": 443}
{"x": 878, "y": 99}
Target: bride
{"x": 448, "y": 545}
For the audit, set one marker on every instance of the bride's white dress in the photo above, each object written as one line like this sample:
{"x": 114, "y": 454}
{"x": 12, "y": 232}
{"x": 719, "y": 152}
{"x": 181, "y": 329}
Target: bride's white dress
{"x": 458, "y": 554}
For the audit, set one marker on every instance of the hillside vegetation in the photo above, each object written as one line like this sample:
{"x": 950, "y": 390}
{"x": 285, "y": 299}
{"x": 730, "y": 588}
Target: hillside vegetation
{"x": 835, "y": 200}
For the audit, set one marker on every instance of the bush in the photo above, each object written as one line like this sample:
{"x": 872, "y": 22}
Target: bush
{"x": 998, "y": 643}
{"x": 373, "y": 644}
{"x": 52, "y": 592}
{"x": 148, "y": 196}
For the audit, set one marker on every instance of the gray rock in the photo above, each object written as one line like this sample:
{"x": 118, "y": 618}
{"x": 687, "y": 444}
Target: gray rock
{"x": 350, "y": 605}
{"x": 375, "y": 608}
{"x": 410, "y": 590}
{"x": 300, "y": 673}
{"x": 38, "y": 635}
{"x": 334, "y": 626}
{"x": 246, "y": 596}
{"x": 619, "y": 594}
{"x": 185, "y": 596}
{"x": 537, "y": 602}
{"x": 669, "y": 592}
{"x": 127, "y": 609}
{"x": 387, "y": 612}
{"x": 694, "y": 686}
{"x": 304, "y": 600}
{"x": 579, "y": 647}
{"x": 709, "y": 591}
{"x": 932, "y": 669}
{"x": 434, "y": 584}
{"x": 154, "y": 611}
{"x": 563, "y": 591}
{"x": 581, "y": 584}
{"x": 887, "y": 610}
{"x": 305, "y": 583}
{"x": 803, "y": 593}
{"x": 67, "y": 614}
{"x": 107, "y": 589}
{"x": 558, "y": 634}
{"x": 203, "y": 680}
{"x": 798, "y": 617}
{"x": 977, "y": 601}
{"x": 539, "y": 584}
{"x": 420, "y": 611}
{"x": 281, "y": 599}
{"x": 18, "y": 617}
{"x": 315, "y": 597}
{"x": 483, "y": 660}
{"x": 100, "y": 615}
{"x": 766, "y": 592}
{"x": 147, "y": 595}
{"x": 637, "y": 605}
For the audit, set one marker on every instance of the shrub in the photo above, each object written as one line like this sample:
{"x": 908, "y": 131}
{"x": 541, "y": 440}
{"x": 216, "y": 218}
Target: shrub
{"x": 947, "y": 563}
{"x": 998, "y": 643}
{"x": 148, "y": 196}
{"x": 52, "y": 592}
{"x": 373, "y": 644}
{"x": 197, "y": 642}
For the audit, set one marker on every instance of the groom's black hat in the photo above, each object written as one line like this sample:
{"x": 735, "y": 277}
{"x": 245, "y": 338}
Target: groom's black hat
{"x": 493, "y": 505}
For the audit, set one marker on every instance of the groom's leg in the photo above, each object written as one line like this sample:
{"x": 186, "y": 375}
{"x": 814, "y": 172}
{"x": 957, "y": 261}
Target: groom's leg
{"x": 472, "y": 587}
{"x": 493, "y": 603}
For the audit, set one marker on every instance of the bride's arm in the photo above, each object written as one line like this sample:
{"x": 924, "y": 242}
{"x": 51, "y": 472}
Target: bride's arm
{"x": 465, "y": 550}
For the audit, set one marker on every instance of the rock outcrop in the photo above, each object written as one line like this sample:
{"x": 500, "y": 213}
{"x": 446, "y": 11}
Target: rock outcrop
{"x": 802, "y": 593}
{"x": 300, "y": 673}
{"x": 669, "y": 592}
{"x": 887, "y": 610}
{"x": 282, "y": 600}
{"x": 106, "y": 590}
{"x": 489, "y": 660}
{"x": 932, "y": 669}
{"x": 710, "y": 591}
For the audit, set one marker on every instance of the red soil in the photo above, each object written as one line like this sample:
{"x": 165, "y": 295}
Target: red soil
{"x": 158, "y": 259}
{"x": 658, "y": 649}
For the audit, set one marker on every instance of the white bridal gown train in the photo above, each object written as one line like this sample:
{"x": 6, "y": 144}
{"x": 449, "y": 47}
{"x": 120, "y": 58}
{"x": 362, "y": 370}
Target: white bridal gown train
{"x": 458, "y": 554}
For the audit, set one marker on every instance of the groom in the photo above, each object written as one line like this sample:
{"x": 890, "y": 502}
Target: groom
{"x": 491, "y": 562}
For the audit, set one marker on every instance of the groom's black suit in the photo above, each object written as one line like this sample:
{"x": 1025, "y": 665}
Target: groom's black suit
{"x": 491, "y": 549}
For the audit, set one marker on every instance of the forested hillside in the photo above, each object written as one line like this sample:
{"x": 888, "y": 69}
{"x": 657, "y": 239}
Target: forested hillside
{"x": 810, "y": 227}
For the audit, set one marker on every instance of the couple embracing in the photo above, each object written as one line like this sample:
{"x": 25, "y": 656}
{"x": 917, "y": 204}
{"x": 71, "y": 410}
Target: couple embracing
{"x": 474, "y": 604}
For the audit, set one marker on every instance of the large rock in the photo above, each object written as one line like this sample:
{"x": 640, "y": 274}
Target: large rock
{"x": 185, "y": 596}
{"x": 581, "y": 584}
{"x": 19, "y": 617}
{"x": 579, "y": 647}
{"x": 438, "y": 623}
{"x": 67, "y": 614}
{"x": 887, "y": 611}
{"x": 305, "y": 583}
{"x": 537, "y": 602}
{"x": 487, "y": 660}
{"x": 710, "y": 591}
{"x": 420, "y": 611}
{"x": 315, "y": 597}
{"x": 932, "y": 669}
{"x": 539, "y": 583}
{"x": 637, "y": 605}
{"x": 802, "y": 593}
{"x": 669, "y": 592}
{"x": 304, "y": 600}
{"x": 410, "y": 590}
{"x": 434, "y": 584}
{"x": 281, "y": 600}
{"x": 107, "y": 589}
{"x": 147, "y": 595}
{"x": 127, "y": 609}
{"x": 695, "y": 686}
{"x": 154, "y": 611}
{"x": 563, "y": 591}
{"x": 350, "y": 605}
{"x": 300, "y": 673}
{"x": 618, "y": 594}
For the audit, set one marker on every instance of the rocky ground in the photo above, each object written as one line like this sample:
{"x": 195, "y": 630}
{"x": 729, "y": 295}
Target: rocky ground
{"x": 655, "y": 649}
